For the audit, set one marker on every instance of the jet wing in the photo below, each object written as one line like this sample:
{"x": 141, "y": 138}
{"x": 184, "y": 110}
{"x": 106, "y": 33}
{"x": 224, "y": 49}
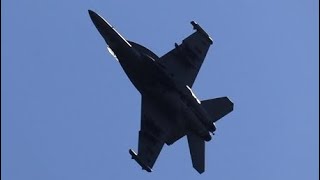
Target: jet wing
{"x": 185, "y": 60}
{"x": 151, "y": 135}
{"x": 156, "y": 129}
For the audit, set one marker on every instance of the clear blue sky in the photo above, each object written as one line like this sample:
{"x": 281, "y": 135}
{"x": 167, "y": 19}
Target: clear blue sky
{"x": 70, "y": 112}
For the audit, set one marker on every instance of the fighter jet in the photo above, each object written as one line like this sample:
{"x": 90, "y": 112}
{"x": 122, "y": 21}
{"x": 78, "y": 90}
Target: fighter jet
{"x": 169, "y": 108}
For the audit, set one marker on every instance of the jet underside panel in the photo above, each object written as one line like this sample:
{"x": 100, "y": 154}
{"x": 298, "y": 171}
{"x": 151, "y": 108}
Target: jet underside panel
{"x": 185, "y": 60}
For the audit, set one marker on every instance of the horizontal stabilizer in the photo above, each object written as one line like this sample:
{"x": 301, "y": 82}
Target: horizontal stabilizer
{"x": 218, "y": 107}
{"x": 139, "y": 161}
{"x": 197, "y": 151}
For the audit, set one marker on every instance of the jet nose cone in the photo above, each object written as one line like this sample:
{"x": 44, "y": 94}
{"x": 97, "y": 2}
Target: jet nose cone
{"x": 99, "y": 21}
{"x": 94, "y": 16}
{"x": 101, "y": 24}
{"x": 90, "y": 12}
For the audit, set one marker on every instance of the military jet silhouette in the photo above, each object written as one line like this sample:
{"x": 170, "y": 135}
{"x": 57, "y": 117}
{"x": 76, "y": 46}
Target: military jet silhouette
{"x": 169, "y": 108}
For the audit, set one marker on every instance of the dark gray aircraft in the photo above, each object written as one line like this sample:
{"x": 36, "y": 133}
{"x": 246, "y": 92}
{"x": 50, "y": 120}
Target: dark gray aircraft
{"x": 169, "y": 108}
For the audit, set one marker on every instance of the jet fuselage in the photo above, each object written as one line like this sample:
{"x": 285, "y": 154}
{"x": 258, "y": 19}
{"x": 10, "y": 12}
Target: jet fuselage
{"x": 151, "y": 79}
